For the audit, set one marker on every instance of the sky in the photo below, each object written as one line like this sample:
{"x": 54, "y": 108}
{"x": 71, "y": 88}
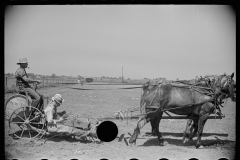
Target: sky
{"x": 138, "y": 41}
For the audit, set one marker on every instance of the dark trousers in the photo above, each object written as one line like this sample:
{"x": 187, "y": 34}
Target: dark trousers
{"x": 37, "y": 98}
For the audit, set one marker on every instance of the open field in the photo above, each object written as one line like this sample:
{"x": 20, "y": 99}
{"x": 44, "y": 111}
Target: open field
{"x": 11, "y": 81}
{"x": 101, "y": 100}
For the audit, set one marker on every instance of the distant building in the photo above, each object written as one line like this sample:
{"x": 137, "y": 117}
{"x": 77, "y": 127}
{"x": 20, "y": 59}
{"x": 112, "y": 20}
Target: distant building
{"x": 89, "y": 80}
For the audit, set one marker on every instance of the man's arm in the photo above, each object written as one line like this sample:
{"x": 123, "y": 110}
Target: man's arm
{"x": 61, "y": 119}
{"x": 49, "y": 115}
{"x": 29, "y": 80}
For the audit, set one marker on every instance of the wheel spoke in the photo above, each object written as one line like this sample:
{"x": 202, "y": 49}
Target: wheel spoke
{"x": 18, "y": 122}
{"x": 22, "y": 132}
{"x": 33, "y": 118}
{"x": 29, "y": 134}
{"x": 24, "y": 113}
{"x": 35, "y": 123}
{"x": 32, "y": 127}
{"x": 19, "y": 116}
{"x": 30, "y": 114}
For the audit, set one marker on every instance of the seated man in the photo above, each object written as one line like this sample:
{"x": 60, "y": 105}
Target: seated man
{"x": 23, "y": 81}
{"x": 55, "y": 123}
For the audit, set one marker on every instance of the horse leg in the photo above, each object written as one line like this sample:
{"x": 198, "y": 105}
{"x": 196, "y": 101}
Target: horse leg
{"x": 152, "y": 122}
{"x": 187, "y": 131}
{"x": 191, "y": 129}
{"x": 206, "y": 110}
{"x": 143, "y": 110}
{"x": 141, "y": 122}
{"x": 194, "y": 128}
{"x": 201, "y": 122}
{"x": 157, "y": 119}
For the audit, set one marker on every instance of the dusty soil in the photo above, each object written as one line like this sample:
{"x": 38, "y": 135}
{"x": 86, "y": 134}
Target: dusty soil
{"x": 104, "y": 100}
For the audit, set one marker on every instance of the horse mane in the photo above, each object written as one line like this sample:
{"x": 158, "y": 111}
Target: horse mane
{"x": 216, "y": 82}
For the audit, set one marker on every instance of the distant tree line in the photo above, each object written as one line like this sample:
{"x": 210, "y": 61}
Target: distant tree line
{"x": 35, "y": 76}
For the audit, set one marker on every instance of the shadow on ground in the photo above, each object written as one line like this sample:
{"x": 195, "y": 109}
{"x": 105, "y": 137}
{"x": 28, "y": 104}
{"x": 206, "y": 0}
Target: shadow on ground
{"x": 67, "y": 138}
{"x": 53, "y": 138}
{"x": 176, "y": 142}
{"x": 181, "y": 134}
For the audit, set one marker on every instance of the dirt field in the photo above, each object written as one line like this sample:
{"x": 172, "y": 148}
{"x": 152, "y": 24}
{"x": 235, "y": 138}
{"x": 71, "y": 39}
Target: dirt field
{"x": 106, "y": 99}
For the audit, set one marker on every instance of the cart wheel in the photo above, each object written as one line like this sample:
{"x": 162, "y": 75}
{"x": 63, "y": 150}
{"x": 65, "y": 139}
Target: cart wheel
{"x": 15, "y": 102}
{"x": 26, "y": 122}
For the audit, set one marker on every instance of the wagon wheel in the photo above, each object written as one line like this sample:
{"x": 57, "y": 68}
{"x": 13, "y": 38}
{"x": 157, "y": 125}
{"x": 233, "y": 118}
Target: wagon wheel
{"x": 26, "y": 122}
{"x": 13, "y": 103}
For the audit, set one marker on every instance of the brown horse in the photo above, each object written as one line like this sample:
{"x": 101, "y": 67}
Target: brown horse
{"x": 195, "y": 102}
{"x": 146, "y": 87}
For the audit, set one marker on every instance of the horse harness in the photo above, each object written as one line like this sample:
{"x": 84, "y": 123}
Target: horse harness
{"x": 192, "y": 88}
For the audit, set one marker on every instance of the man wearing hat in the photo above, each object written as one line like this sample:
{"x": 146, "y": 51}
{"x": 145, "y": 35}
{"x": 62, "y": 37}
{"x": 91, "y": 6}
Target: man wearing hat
{"x": 22, "y": 81}
{"x": 59, "y": 125}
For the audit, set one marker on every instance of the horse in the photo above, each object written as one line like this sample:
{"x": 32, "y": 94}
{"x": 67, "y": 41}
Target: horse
{"x": 146, "y": 87}
{"x": 197, "y": 103}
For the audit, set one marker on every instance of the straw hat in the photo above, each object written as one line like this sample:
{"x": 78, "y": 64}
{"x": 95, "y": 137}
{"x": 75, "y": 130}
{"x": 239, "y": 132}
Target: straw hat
{"x": 58, "y": 98}
{"x": 22, "y": 60}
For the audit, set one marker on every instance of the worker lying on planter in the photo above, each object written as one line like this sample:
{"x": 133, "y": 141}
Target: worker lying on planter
{"x": 58, "y": 124}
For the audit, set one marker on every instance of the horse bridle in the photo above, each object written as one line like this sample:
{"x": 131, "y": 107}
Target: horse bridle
{"x": 227, "y": 86}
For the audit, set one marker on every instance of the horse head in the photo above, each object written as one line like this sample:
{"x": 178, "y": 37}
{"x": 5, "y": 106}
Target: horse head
{"x": 231, "y": 84}
{"x": 225, "y": 84}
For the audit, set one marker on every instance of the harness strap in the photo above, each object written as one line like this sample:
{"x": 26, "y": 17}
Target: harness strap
{"x": 154, "y": 96}
{"x": 190, "y": 86}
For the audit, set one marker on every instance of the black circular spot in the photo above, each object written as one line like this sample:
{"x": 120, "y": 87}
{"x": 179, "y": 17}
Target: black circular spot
{"x": 107, "y": 131}
{"x": 223, "y": 159}
{"x": 193, "y": 159}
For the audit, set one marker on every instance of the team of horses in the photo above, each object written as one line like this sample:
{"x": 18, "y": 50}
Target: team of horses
{"x": 196, "y": 100}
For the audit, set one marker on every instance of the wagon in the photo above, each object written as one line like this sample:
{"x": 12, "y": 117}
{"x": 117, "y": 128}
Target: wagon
{"x": 22, "y": 119}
